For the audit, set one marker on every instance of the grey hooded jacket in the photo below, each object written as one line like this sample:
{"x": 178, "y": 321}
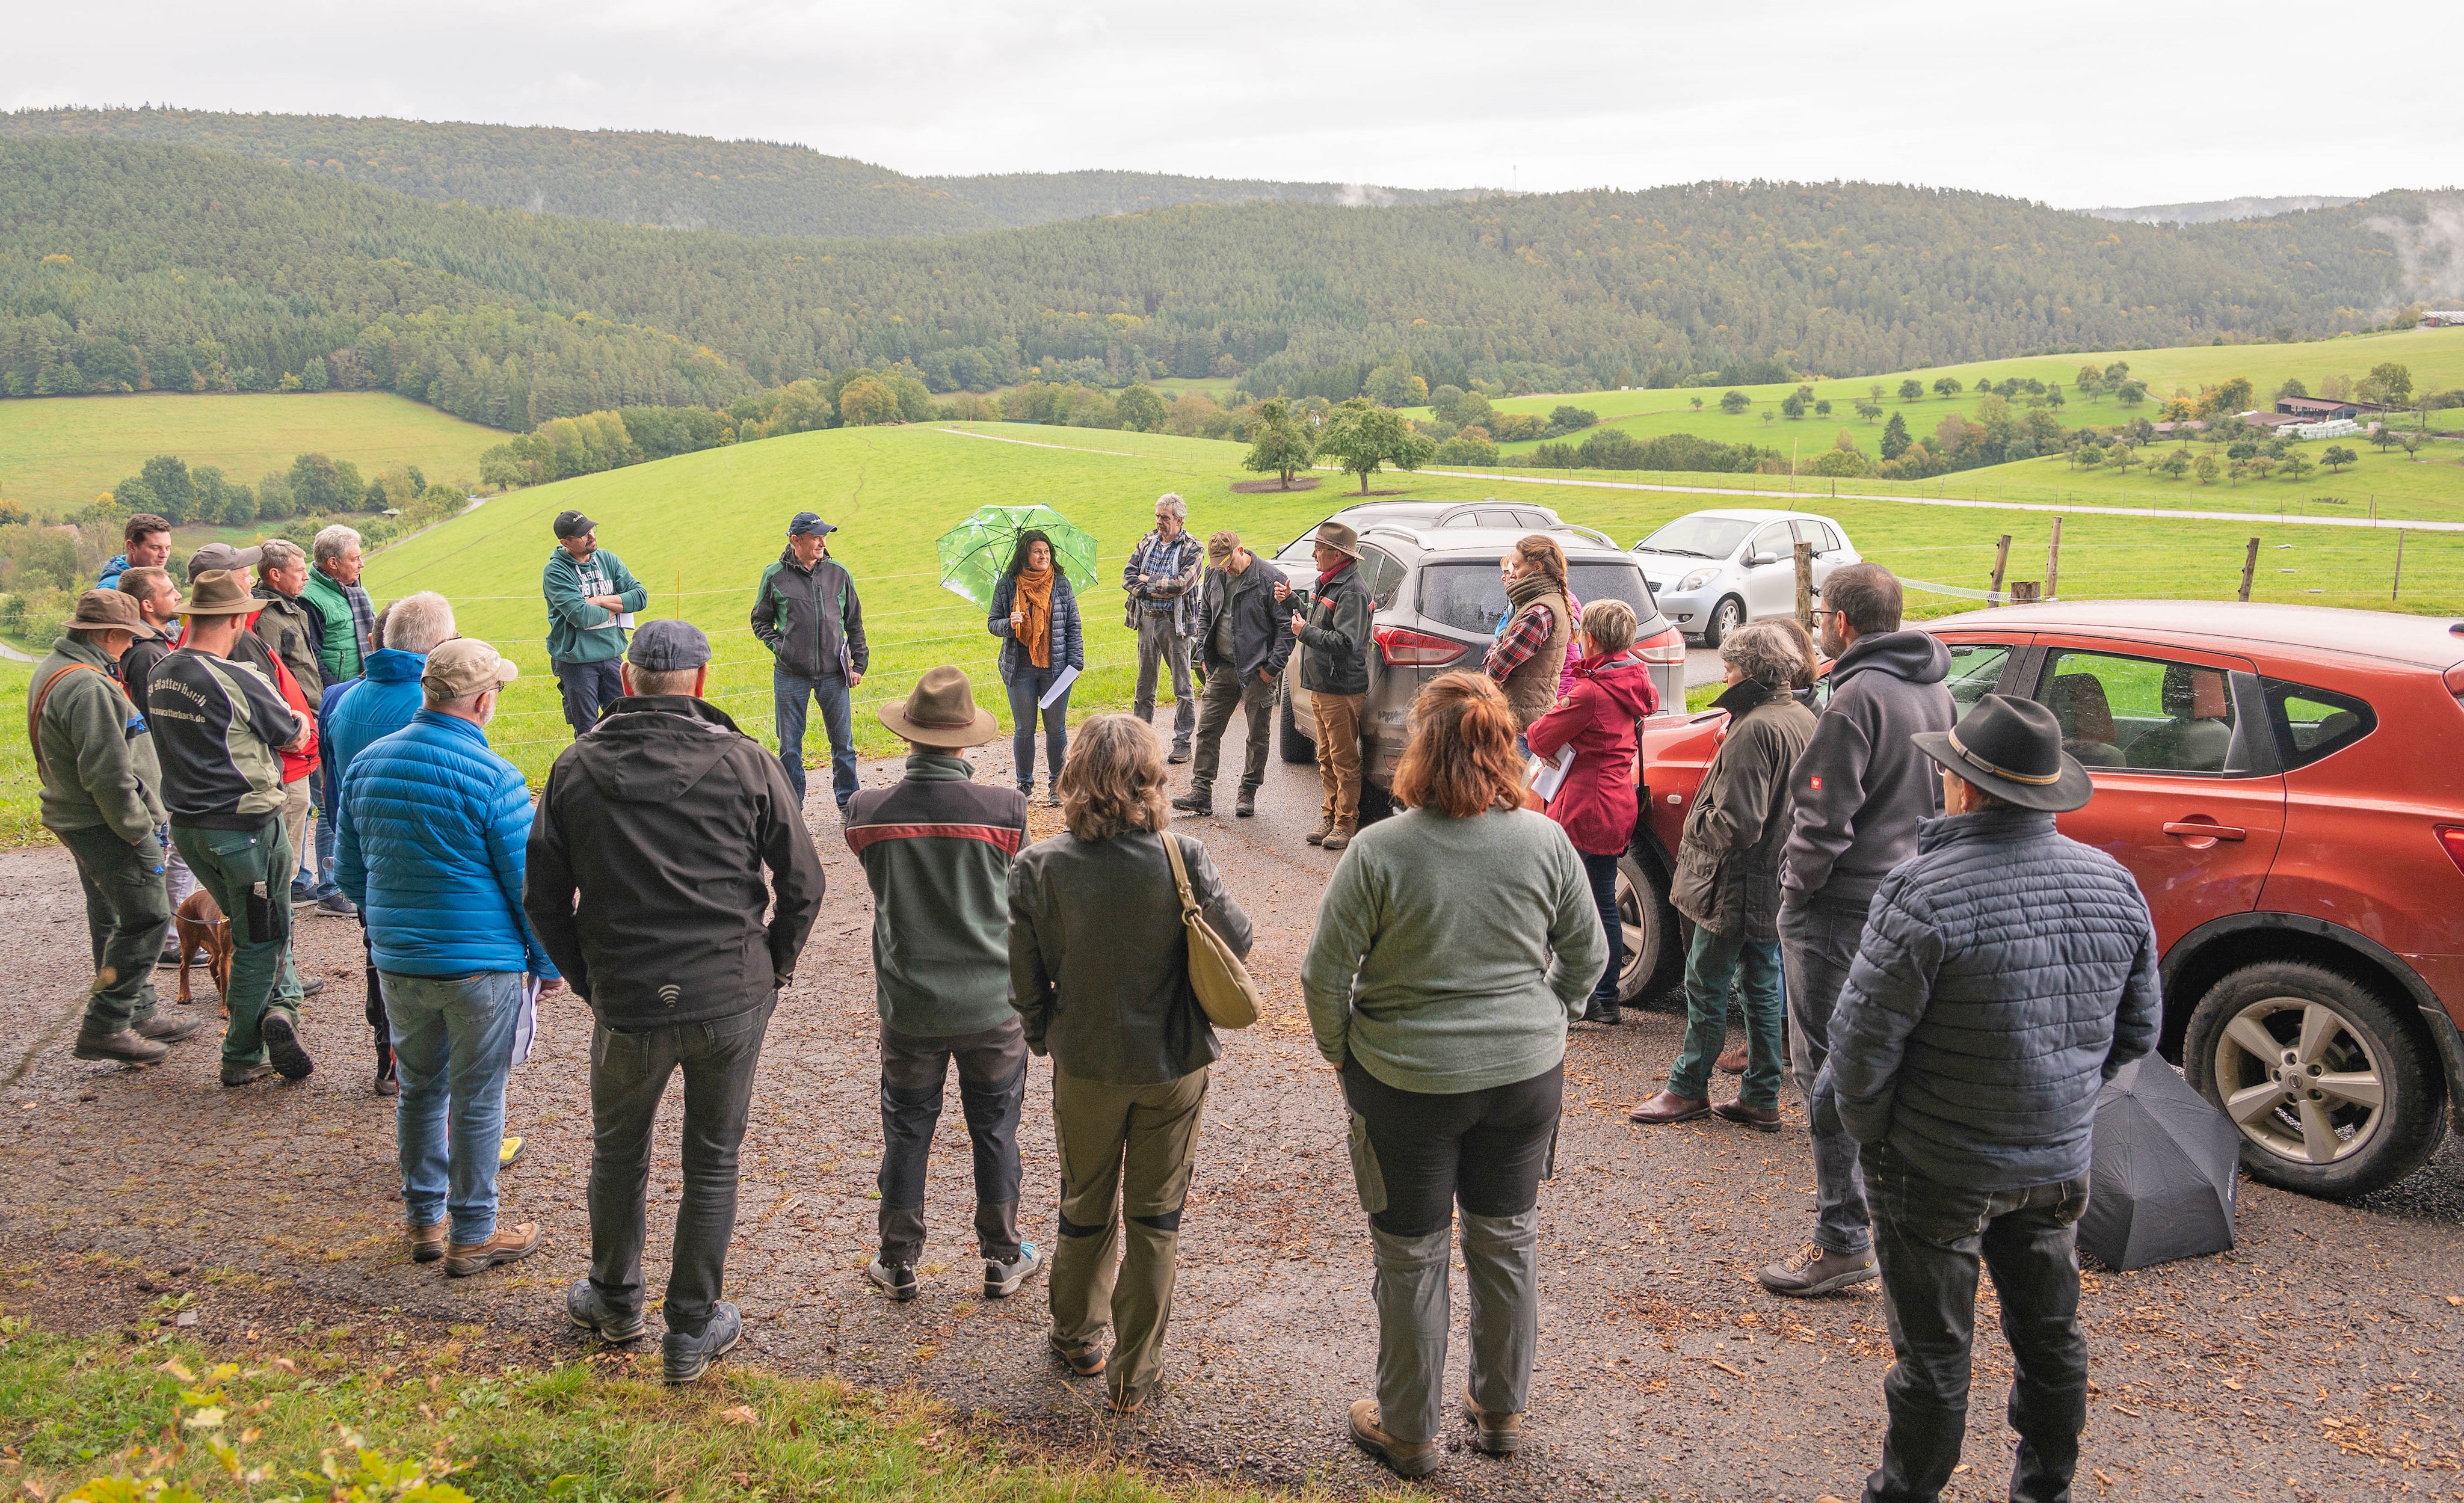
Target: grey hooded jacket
{"x": 1861, "y": 786}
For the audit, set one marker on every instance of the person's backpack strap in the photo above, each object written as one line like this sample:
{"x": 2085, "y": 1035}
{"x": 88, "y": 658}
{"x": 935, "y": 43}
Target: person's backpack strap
{"x": 41, "y": 697}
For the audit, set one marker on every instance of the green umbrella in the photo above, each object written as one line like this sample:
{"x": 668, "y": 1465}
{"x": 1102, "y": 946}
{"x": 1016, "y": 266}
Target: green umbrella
{"x": 976, "y": 553}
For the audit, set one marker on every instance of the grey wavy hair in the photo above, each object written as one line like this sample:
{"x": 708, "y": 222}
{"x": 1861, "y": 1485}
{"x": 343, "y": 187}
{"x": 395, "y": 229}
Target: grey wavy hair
{"x": 1171, "y": 501}
{"x": 333, "y": 542}
{"x": 1765, "y": 653}
{"x": 279, "y": 553}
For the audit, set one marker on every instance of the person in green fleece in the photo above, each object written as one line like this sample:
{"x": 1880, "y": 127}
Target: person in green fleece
{"x": 99, "y": 779}
{"x": 1453, "y": 947}
{"x": 590, "y": 593}
{"x": 937, "y": 850}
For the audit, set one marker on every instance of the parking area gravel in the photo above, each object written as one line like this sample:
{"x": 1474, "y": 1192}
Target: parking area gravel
{"x": 2318, "y": 1359}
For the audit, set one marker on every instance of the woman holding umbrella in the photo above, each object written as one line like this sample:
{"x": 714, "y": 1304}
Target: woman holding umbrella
{"x": 1035, "y": 613}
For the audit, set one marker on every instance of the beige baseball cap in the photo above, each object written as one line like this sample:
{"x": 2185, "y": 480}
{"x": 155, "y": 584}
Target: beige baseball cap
{"x": 464, "y": 666}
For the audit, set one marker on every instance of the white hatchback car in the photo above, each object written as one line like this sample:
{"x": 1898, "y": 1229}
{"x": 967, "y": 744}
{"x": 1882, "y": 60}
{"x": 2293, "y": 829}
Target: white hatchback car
{"x": 1712, "y": 572}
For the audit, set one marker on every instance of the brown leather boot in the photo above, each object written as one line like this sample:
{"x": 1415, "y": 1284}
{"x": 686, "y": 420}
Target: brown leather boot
{"x": 1732, "y": 1061}
{"x": 1761, "y": 1118}
{"x": 1664, "y": 1109}
{"x": 123, "y": 1044}
{"x": 1496, "y": 1434}
{"x": 1815, "y": 1270}
{"x": 426, "y": 1243}
{"x": 509, "y": 1245}
{"x": 1408, "y": 1458}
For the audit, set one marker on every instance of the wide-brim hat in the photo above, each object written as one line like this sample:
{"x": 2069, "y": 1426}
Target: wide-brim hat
{"x": 2011, "y": 748}
{"x": 1339, "y": 538}
{"x": 940, "y": 711}
{"x": 106, "y": 610}
{"x": 220, "y": 591}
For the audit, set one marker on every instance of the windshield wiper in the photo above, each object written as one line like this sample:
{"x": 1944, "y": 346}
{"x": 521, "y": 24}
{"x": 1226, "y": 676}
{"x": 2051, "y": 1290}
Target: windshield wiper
{"x": 1687, "y": 551}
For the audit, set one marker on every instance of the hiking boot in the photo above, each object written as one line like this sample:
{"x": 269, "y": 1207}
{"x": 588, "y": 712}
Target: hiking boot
{"x": 510, "y": 1245}
{"x": 125, "y": 1045}
{"x": 898, "y": 1280}
{"x": 1247, "y": 805}
{"x": 1409, "y": 1459}
{"x": 587, "y": 1307}
{"x": 683, "y": 1358}
{"x": 1665, "y": 1108}
{"x": 165, "y": 1029}
{"x": 1336, "y": 838}
{"x": 282, "y": 1045}
{"x": 336, "y": 905}
{"x": 426, "y": 1243}
{"x": 1761, "y": 1118}
{"x": 247, "y": 1074}
{"x": 1816, "y": 1269}
{"x": 388, "y": 1083}
{"x": 1317, "y": 837}
{"x": 1608, "y": 1015}
{"x": 310, "y": 986}
{"x": 1001, "y": 1279}
{"x": 1179, "y": 755}
{"x": 1733, "y": 1061}
{"x": 1496, "y": 1434}
{"x": 1083, "y": 1362}
{"x": 510, "y": 1152}
{"x": 1199, "y": 804}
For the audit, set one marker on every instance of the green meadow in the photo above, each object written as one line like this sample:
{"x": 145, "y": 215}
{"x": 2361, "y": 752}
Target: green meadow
{"x": 58, "y": 453}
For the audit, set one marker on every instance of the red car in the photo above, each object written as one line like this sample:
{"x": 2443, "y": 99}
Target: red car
{"x": 2285, "y": 782}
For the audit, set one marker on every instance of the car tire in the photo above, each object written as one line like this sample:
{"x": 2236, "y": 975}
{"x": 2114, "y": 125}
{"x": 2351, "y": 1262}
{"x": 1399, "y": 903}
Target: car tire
{"x": 1653, "y": 956}
{"x": 1290, "y": 743}
{"x": 2299, "y": 1137}
{"x": 1724, "y": 618}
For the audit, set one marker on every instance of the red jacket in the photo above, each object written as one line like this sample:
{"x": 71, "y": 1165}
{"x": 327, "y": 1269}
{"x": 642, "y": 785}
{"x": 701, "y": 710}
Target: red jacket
{"x": 296, "y": 765}
{"x": 1596, "y": 801}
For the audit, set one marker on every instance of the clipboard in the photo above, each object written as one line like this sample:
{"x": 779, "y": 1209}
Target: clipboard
{"x": 1060, "y": 686}
{"x": 1549, "y": 774}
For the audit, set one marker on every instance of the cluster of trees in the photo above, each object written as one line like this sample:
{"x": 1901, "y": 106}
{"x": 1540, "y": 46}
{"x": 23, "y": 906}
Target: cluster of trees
{"x": 1286, "y": 437}
{"x": 1614, "y": 448}
{"x": 313, "y": 485}
{"x": 127, "y": 263}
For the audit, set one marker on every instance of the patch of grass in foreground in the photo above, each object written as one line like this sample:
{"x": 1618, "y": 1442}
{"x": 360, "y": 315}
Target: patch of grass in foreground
{"x": 81, "y": 1408}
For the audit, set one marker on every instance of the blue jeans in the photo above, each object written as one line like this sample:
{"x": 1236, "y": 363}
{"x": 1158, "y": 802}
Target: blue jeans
{"x": 1713, "y": 962}
{"x": 452, "y": 1046}
{"x": 1602, "y": 871}
{"x": 1817, "y": 942}
{"x": 788, "y": 693}
{"x": 1024, "y": 692}
{"x": 311, "y": 883}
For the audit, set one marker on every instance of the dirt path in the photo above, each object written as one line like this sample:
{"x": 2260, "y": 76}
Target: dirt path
{"x": 2319, "y": 1359}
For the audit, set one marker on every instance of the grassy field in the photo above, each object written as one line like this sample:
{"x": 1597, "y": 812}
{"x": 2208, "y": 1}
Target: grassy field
{"x": 60, "y": 452}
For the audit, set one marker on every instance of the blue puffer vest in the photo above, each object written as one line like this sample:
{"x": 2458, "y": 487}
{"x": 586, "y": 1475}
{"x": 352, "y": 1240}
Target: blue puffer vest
{"x": 2007, "y": 973}
{"x": 431, "y": 846}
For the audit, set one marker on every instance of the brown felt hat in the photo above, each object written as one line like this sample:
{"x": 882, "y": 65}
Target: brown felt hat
{"x": 940, "y": 711}
{"x": 220, "y": 591}
{"x": 106, "y": 610}
{"x": 464, "y": 666}
{"x": 1339, "y": 538}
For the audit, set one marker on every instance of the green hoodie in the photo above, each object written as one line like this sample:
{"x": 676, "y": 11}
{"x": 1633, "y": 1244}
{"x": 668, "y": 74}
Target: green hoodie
{"x": 97, "y": 755}
{"x": 577, "y": 631}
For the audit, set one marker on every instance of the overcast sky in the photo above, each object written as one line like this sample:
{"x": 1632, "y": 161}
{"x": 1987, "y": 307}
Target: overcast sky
{"x": 2076, "y": 104}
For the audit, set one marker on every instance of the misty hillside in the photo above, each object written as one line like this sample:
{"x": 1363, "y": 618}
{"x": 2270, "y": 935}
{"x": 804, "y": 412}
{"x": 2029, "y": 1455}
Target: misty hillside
{"x": 1022, "y": 199}
{"x": 2215, "y": 209}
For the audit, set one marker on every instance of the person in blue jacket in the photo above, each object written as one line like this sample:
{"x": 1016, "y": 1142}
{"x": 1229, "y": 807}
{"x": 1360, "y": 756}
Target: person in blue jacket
{"x": 433, "y": 832}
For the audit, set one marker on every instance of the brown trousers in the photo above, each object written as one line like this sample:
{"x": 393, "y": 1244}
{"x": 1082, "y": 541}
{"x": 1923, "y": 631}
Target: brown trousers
{"x": 1338, "y": 757}
{"x": 1134, "y": 1145}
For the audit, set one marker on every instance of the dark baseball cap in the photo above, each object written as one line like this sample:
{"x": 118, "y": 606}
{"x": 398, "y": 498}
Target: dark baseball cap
{"x": 573, "y": 524}
{"x": 806, "y": 524}
{"x": 667, "y": 646}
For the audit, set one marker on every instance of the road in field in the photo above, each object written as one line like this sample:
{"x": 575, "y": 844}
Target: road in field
{"x": 2316, "y": 1360}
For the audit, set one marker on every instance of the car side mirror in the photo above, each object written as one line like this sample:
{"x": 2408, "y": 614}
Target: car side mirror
{"x": 1758, "y": 560}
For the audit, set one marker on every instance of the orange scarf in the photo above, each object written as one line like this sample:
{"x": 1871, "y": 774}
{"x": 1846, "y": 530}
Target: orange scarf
{"x": 1035, "y": 598}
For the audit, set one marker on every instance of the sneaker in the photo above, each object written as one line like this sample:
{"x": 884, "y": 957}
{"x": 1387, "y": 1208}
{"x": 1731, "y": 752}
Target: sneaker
{"x": 510, "y": 1245}
{"x": 338, "y": 906}
{"x": 1199, "y": 804}
{"x": 587, "y": 1307}
{"x": 898, "y": 1280}
{"x": 1408, "y": 1458}
{"x": 1247, "y": 805}
{"x": 1496, "y": 1434}
{"x": 1816, "y": 1269}
{"x": 1336, "y": 840}
{"x": 1761, "y": 1118}
{"x": 247, "y": 1074}
{"x": 426, "y": 1243}
{"x": 284, "y": 1047}
{"x": 310, "y": 986}
{"x": 1317, "y": 837}
{"x": 685, "y": 1358}
{"x": 125, "y": 1045}
{"x": 508, "y": 1152}
{"x": 165, "y": 1029}
{"x": 1179, "y": 755}
{"x": 1001, "y": 1279}
{"x": 1083, "y": 1362}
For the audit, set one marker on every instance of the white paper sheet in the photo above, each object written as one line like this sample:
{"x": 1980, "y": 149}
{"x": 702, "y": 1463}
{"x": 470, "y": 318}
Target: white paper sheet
{"x": 1547, "y": 775}
{"x": 1060, "y": 686}
{"x": 526, "y": 1026}
{"x": 625, "y": 620}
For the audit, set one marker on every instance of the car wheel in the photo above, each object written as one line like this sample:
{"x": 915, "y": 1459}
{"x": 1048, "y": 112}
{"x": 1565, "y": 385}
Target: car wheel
{"x": 1652, "y": 953}
{"x": 2333, "y": 1091}
{"x": 1725, "y": 616}
{"x": 1288, "y": 740}
{"x": 1376, "y": 803}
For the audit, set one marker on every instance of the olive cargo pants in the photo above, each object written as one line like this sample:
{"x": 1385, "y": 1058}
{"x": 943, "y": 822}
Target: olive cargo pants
{"x": 1134, "y": 1143}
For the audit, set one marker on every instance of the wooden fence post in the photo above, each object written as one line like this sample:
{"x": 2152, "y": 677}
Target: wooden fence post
{"x": 2054, "y": 564}
{"x": 2001, "y": 561}
{"x": 2249, "y": 567}
{"x": 2396, "y": 590}
{"x": 1805, "y": 585}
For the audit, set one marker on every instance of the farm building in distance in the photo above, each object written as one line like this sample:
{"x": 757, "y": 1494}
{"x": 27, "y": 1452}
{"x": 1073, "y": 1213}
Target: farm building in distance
{"x": 2324, "y": 410}
{"x": 2444, "y": 318}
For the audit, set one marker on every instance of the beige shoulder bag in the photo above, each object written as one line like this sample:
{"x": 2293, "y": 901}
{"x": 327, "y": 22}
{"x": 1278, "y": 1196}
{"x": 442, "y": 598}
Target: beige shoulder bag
{"x": 1216, "y": 974}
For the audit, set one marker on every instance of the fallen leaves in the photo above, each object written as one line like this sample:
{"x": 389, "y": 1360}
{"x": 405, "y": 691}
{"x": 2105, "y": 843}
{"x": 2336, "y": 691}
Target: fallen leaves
{"x": 739, "y": 1414}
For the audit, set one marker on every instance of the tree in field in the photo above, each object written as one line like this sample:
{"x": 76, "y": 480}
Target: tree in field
{"x": 1364, "y": 437}
{"x": 2054, "y": 394}
{"x": 2336, "y": 457}
{"x": 1822, "y": 407}
{"x": 864, "y": 401}
{"x": 1140, "y": 409}
{"x": 2411, "y": 445}
{"x": 1698, "y": 404}
{"x": 2131, "y": 393}
{"x": 2175, "y": 465}
{"x": 2206, "y": 466}
{"x": 2383, "y": 437}
{"x": 1875, "y": 391}
{"x": 175, "y": 493}
{"x": 1395, "y": 385}
{"x": 1280, "y": 441}
{"x": 1947, "y": 386}
{"x": 2259, "y": 466}
{"x": 1869, "y": 410}
{"x": 1793, "y": 404}
{"x": 1894, "y": 437}
{"x": 2296, "y": 464}
{"x": 1911, "y": 390}
{"x": 2387, "y": 382}
{"x": 2291, "y": 387}
{"x": 2117, "y": 373}
{"x": 319, "y": 485}
{"x": 2177, "y": 410}
{"x": 2123, "y": 457}
{"x": 1735, "y": 403}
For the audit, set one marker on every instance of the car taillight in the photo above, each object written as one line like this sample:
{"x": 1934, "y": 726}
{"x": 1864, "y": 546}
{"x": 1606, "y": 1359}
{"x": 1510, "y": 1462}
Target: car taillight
{"x": 2455, "y": 681}
{"x": 1405, "y": 648}
{"x": 1669, "y": 647}
{"x": 2451, "y": 837}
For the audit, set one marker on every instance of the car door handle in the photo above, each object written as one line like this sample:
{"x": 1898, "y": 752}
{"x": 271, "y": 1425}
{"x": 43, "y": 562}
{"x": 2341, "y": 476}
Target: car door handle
{"x": 2201, "y": 828}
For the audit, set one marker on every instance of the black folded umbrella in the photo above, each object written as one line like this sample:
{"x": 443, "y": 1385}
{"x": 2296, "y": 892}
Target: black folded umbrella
{"x": 2164, "y": 1171}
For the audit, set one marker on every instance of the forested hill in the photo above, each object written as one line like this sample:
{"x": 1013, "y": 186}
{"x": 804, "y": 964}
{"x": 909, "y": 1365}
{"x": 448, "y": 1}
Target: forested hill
{"x": 670, "y": 180}
{"x": 136, "y": 265}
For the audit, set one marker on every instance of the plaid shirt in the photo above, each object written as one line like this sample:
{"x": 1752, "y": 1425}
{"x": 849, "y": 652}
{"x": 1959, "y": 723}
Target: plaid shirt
{"x": 1177, "y": 561}
{"x": 1515, "y": 645}
{"x": 364, "y": 616}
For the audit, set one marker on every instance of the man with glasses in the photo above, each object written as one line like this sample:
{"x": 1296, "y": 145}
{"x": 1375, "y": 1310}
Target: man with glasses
{"x": 1161, "y": 578}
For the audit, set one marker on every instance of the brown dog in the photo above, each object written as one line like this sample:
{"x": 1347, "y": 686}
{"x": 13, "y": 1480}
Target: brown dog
{"x": 200, "y": 924}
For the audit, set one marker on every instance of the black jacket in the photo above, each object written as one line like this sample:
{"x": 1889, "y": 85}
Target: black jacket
{"x": 1861, "y": 786}
{"x": 659, "y": 822}
{"x": 1262, "y": 633}
{"x": 1337, "y": 634}
{"x": 810, "y": 618}
{"x": 1727, "y": 860}
{"x": 148, "y": 647}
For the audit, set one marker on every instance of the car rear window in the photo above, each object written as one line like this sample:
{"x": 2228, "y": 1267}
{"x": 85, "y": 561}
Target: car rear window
{"x": 1472, "y": 597}
{"x": 2313, "y": 723}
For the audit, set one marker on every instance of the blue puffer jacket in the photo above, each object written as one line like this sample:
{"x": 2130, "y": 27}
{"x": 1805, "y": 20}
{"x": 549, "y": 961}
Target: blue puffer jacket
{"x": 430, "y": 845}
{"x": 2007, "y": 971}
{"x": 377, "y": 704}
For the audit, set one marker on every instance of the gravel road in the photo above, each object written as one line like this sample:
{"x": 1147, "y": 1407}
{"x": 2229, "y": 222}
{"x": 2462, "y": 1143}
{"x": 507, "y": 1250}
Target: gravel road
{"x": 2319, "y": 1359}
